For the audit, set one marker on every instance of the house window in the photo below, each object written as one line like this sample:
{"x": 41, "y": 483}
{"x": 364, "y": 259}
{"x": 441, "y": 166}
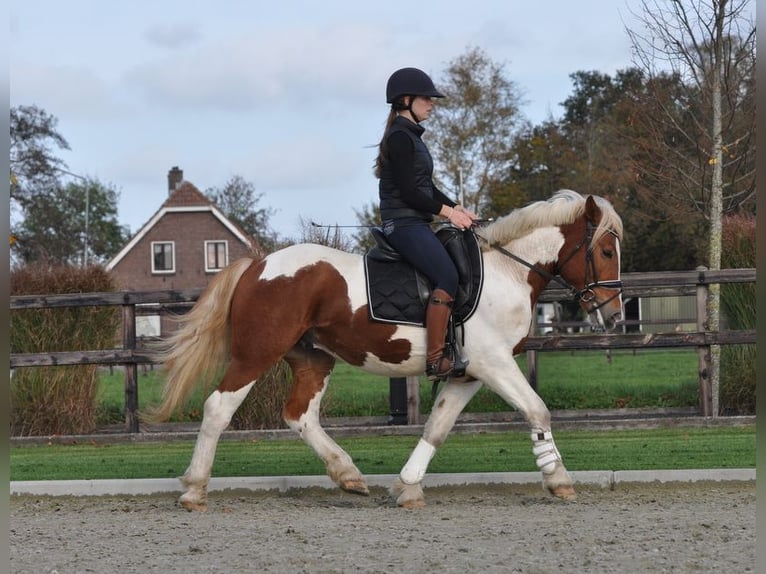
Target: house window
{"x": 216, "y": 255}
{"x": 163, "y": 257}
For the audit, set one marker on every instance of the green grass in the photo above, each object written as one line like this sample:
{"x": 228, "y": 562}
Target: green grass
{"x": 566, "y": 380}
{"x": 676, "y": 448}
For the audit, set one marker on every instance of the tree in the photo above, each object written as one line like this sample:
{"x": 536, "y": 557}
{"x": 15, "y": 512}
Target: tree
{"x": 593, "y": 120}
{"x": 329, "y": 235}
{"x": 32, "y": 161}
{"x": 238, "y": 201}
{"x": 55, "y": 227}
{"x": 541, "y": 160}
{"x": 368, "y": 216}
{"x": 599, "y": 123}
{"x": 710, "y": 46}
{"x": 471, "y": 130}
{"x": 59, "y": 222}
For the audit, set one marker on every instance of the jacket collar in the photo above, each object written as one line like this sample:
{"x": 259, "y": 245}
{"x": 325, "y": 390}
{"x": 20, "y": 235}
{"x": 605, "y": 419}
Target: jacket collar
{"x": 403, "y": 122}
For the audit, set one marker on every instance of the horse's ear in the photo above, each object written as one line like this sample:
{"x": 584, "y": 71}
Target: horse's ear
{"x": 592, "y": 211}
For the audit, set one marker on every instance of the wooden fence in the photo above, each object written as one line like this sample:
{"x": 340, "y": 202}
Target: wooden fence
{"x": 658, "y": 284}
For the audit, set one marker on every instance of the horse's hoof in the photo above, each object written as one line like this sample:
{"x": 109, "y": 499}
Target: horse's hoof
{"x": 564, "y": 492}
{"x": 412, "y": 504}
{"x": 193, "y": 506}
{"x": 355, "y": 487}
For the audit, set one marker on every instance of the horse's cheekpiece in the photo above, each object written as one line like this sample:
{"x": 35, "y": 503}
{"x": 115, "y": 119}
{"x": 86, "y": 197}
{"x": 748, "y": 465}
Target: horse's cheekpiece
{"x": 398, "y": 293}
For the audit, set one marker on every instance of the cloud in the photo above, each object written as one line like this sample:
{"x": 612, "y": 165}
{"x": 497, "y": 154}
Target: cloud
{"x": 143, "y": 164}
{"x": 304, "y": 64}
{"x": 300, "y": 161}
{"x": 64, "y": 91}
{"x": 172, "y": 36}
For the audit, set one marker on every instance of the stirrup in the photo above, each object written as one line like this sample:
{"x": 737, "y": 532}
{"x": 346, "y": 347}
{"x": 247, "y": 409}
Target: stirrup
{"x": 459, "y": 364}
{"x": 456, "y": 367}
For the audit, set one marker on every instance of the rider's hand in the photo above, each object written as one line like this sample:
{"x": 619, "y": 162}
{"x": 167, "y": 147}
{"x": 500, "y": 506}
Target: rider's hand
{"x": 459, "y": 216}
{"x": 467, "y": 211}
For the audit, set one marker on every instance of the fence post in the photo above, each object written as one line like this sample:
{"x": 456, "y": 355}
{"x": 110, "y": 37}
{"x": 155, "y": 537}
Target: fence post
{"x": 703, "y": 352}
{"x": 404, "y": 400}
{"x": 131, "y": 369}
{"x": 413, "y": 400}
{"x": 532, "y": 355}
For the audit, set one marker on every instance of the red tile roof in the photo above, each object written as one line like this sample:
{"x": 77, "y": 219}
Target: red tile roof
{"x": 186, "y": 194}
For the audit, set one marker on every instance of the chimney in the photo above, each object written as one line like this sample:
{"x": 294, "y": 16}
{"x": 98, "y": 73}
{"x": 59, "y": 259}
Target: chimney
{"x": 175, "y": 176}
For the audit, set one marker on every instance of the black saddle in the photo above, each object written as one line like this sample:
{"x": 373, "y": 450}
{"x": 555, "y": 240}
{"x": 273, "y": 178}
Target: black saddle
{"x": 398, "y": 293}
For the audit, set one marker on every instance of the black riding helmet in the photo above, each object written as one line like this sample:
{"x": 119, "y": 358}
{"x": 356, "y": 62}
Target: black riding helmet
{"x": 410, "y": 82}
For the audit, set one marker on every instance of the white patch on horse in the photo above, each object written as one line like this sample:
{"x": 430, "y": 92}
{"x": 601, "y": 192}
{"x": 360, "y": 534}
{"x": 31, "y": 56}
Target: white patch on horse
{"x": 308, "y": 420}
{"x": 414, "y": 365}
{"x": 541, "y": 246}
{"x": 287, "y": 262}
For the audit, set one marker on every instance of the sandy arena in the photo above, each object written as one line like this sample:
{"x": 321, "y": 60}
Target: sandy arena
{"x": 635, "y": 528}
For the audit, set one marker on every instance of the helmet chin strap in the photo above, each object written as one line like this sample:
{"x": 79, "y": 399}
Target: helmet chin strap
{"x": 400, "y": 107}
{"x": 412, "y": 112}
{"x": 414, "y": 115}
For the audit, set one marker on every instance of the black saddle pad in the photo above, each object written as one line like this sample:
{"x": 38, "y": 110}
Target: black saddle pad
{"x": 398, "y": 293}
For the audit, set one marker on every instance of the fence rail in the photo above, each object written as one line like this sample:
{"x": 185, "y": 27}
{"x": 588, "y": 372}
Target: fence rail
{"x": 655, "y": 284}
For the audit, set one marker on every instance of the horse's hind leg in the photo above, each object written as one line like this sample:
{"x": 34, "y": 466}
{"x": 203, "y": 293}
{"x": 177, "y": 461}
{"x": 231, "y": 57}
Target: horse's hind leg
{"x": 311, "y": 374}
{"x": 219, "y": 407}
{"x": 448, "y": 405}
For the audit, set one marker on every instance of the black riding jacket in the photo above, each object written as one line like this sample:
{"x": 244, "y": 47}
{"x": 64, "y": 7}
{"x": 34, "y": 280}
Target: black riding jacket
{"x": 406, "y": 187}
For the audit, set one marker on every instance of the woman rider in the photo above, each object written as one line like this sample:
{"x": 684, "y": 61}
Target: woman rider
{"x": 409, "y": 200}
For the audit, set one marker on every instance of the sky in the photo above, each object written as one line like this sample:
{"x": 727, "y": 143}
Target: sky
{"x": 289, "y": 95}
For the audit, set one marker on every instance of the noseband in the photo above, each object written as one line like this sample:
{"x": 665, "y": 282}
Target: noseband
{"x": 586, "y": 294}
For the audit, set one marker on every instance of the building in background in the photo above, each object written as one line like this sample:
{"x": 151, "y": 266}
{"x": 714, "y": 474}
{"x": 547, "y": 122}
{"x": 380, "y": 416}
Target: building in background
{"x": 182, "y": 246}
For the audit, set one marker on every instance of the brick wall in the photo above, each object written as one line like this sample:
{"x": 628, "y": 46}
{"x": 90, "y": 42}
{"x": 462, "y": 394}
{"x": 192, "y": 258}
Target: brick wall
{"x": 188, "y": 231}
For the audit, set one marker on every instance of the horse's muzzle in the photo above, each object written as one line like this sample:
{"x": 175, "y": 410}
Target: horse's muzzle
{"x": 608, "y": 314}
{"x": 613, "y": 321}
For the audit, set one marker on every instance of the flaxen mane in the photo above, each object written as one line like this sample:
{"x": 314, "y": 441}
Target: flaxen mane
{"x": 564, "y": 207}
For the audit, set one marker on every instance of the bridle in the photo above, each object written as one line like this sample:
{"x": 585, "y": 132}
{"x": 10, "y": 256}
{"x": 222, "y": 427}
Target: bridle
{"x": 585, "y": 295}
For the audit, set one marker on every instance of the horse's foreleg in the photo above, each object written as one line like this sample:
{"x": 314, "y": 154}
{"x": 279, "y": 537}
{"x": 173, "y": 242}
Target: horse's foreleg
{"x": 513, "y": 387}
{"x": 311, "y": 374}
{"x": 555, "y": 476}
{"x": 218, "y": 410}
{"x": 448, "y": 405}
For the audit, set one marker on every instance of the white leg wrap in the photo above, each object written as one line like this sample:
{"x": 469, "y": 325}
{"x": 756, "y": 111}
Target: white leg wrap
{"x": 415, "y": 469}
{"x": 545, "y": 450}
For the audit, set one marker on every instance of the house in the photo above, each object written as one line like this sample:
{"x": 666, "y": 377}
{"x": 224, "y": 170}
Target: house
{"x": 182, "y": 246}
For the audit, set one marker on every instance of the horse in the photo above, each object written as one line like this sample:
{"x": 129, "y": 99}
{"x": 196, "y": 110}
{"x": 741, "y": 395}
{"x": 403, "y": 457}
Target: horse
{"x": 308, "y": 304}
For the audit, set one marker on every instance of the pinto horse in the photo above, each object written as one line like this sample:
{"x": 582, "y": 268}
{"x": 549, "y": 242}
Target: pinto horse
{"x": 308, "y": 304}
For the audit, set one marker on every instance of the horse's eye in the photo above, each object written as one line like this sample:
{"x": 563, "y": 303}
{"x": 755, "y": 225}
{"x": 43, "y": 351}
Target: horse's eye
{"x": 608, "y": 253}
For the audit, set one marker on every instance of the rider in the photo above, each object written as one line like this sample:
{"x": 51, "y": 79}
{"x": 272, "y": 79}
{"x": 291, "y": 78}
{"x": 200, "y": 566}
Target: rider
{"x": 408, "y": 202}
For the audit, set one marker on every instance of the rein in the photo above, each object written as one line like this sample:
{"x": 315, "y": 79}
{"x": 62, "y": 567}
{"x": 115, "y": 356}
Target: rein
{"x": 585, "y": 294}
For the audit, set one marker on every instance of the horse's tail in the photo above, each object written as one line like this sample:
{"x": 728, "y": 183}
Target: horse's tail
{"x": 199, "y": 349}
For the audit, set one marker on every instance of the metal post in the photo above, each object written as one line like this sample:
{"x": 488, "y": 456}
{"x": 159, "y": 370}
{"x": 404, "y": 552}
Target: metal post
{"x": 87, "y": 218}
{"x": 85, "y": 182}
{"x": 397, "y": 398}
